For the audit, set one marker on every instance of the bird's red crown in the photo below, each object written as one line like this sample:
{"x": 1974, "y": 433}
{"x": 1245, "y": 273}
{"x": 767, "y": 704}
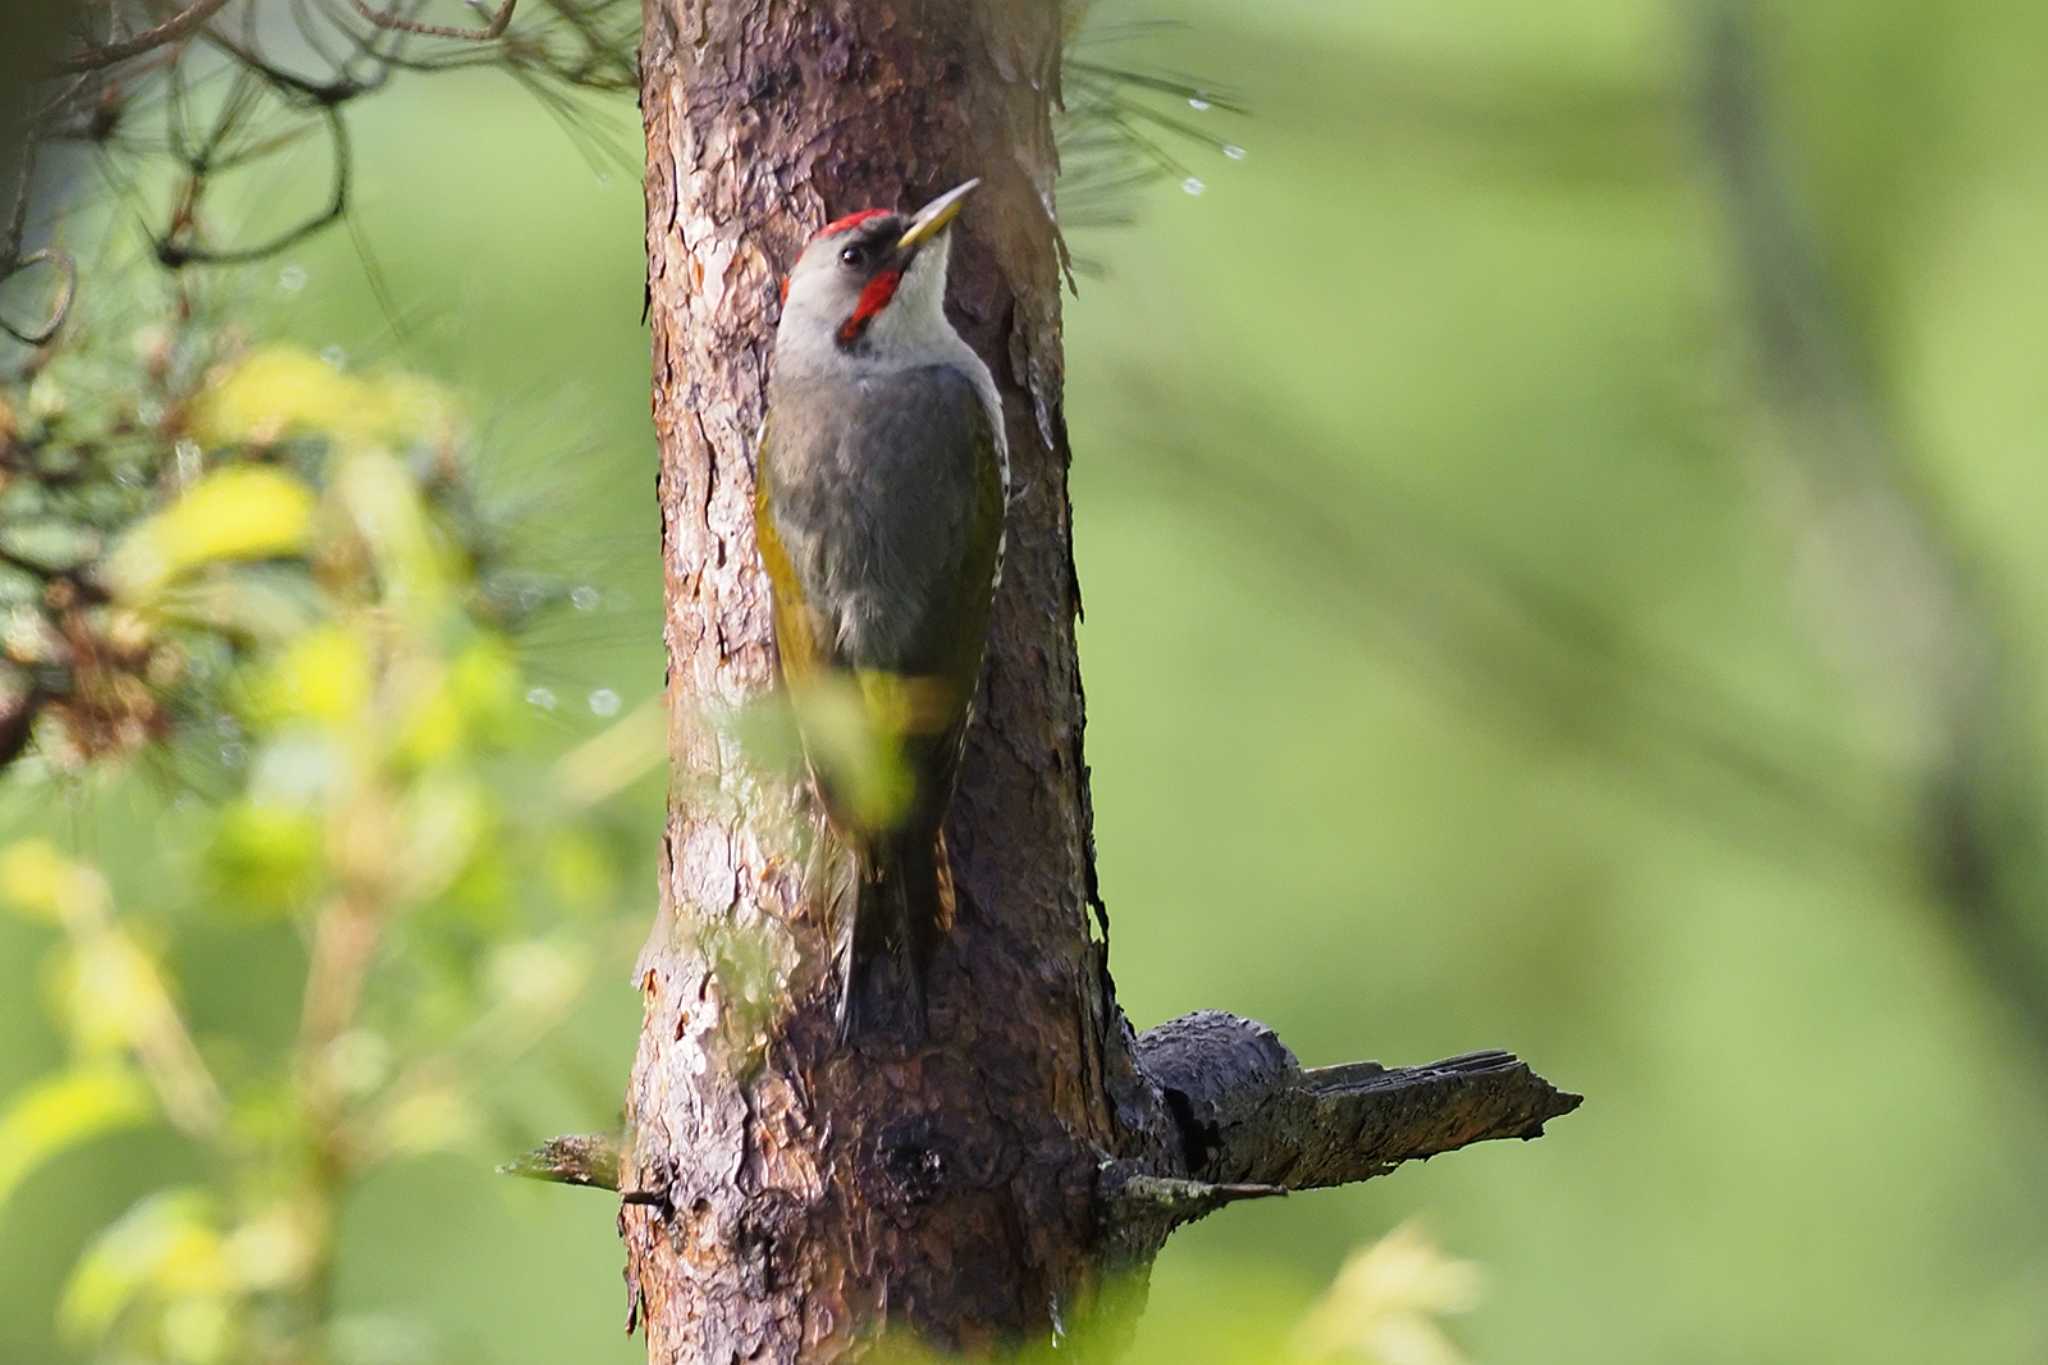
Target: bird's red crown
{"x": 849, "y": 222}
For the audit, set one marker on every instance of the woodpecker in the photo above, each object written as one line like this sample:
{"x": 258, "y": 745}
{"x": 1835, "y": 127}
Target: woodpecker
{"x": 880, "y": 494}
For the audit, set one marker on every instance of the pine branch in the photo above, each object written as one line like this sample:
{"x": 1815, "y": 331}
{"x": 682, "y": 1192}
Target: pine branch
{"x": 178, "y": 27}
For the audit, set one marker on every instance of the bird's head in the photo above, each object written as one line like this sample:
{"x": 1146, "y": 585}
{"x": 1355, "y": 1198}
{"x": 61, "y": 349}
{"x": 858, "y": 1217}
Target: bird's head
{"x": 872, "y": 285}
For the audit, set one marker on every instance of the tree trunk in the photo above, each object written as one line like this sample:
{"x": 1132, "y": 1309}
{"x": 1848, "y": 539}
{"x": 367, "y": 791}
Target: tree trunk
{"x": 788, "y": 1198}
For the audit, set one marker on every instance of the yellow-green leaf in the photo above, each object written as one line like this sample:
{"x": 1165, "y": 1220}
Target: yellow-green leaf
{"x": 282, "y": 391}
{"x": 238, "y": 513}
{"x": 1385, "y": 1303}
{"x": 579, "y": 871}
{"x": 275, "y": 392}
{"x": 537, "y": 977}
{"x": 63, "y": 1111}
{"x": 445, "y": 821}
{"x": 108, "y": 992}
{"x": 38, "y": 881}
{"x": 383, "y": 502}
{"x": 485, "y": 683}
{"x": 166, "y": 1246}
{"x": 325, "y": 676}
{"x": 430, "y": 1118}
{"x": 265, "y": 857}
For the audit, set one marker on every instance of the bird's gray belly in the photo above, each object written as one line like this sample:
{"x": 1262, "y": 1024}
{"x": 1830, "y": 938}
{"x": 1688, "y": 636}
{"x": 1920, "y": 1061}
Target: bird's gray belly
{"x": 881, "y": 513}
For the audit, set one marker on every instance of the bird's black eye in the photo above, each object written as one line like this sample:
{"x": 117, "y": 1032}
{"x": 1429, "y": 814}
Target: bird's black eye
{"x": 853, "y": 256}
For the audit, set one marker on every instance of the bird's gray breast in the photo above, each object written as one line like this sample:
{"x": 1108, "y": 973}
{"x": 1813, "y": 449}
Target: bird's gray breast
{"x": 879, "y": 490}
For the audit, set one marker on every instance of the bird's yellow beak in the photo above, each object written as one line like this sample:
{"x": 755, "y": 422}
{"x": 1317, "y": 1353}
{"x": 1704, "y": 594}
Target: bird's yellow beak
{"x": 931, "y": 220}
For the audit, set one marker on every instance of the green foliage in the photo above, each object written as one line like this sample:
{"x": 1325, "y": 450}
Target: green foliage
{"x": 288, "y": 555}
{"x": 1386, "y": 1303}
{"x": 165, "y": 1266}
{"x": 63, "y": 1110}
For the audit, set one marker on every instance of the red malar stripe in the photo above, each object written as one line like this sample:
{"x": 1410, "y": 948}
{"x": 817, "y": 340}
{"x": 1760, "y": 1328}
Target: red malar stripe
{"x": 873, "y": 299}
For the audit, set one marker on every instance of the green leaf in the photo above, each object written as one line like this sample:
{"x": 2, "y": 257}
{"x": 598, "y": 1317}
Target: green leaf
{"x": 63, "y": 1111}
{"x": 278, "y": 392}
{"x": 266, "y": 857}
{"x": 39, "y": 882}
{"x": 239, "y": 513}
{"x": 167, "y": 1245}
{"x": 107, "y": 992}
{"x": 1386, "y": 1303}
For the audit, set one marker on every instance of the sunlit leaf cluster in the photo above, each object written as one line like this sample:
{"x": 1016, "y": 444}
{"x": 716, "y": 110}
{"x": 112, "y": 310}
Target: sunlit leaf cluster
{"x": 257, "y": 554}
{"x": 175, "y": 501}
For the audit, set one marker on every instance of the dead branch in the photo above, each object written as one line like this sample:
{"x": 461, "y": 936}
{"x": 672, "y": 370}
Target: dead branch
{"x": 1247, "y": 1113}
{"x": 179, "y": 26}
{"x": 399, "y": 24}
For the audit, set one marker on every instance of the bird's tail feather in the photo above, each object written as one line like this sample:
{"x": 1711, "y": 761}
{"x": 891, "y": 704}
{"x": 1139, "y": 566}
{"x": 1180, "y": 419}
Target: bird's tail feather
{"x": 902, "y": 903}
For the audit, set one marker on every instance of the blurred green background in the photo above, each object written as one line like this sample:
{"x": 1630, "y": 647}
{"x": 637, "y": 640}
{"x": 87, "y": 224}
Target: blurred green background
{"x": 1461, "y": 672}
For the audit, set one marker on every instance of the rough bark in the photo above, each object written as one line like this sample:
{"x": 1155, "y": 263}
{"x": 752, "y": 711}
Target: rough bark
{"x": 789, "y": 1197}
